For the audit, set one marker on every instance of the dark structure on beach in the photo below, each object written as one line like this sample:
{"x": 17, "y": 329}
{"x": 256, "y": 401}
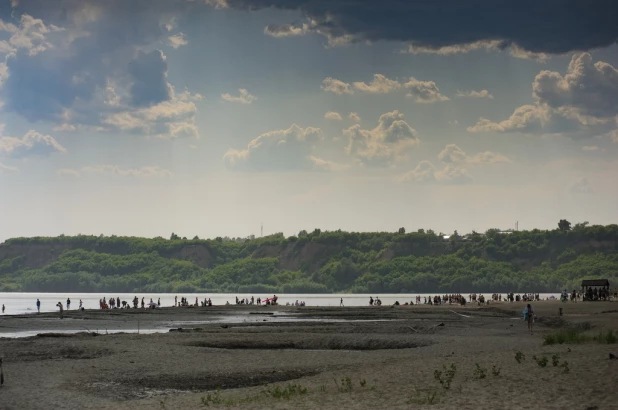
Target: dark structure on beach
{"x": 595, "y": 289}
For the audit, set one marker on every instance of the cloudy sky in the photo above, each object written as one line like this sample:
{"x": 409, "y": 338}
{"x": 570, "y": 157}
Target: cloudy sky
{"x": 210, "y": 117}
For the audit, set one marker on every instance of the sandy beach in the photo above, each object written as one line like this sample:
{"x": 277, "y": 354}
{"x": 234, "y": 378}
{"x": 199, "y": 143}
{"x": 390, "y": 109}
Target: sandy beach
{"x": 307, "y": 358}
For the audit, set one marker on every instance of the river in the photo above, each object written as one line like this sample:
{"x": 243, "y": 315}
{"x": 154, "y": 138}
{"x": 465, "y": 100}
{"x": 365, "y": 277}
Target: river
{"x": 25, "y": 302}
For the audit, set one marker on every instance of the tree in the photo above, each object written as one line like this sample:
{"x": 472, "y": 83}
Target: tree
{"x": 196, "y": 238}
{"x": 401, "y": 231}
{"x": 174, "y": 237}
{"x": 564, "y": 225}
{"x": 580, "y": 226}
{"x": 302, "y": 233}
{"x": 422, "y": 231}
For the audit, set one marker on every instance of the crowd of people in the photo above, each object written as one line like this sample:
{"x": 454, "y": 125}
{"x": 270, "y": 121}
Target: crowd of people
{"x": 589, "y": 294}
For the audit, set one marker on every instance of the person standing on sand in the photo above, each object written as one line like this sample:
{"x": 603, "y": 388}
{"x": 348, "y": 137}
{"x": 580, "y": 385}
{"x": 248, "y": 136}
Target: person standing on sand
{"x": 529, "y": 316}
{"x": 68, "y": 303}
{"x": 3, "y": 308}
{"x": 341, "y": 303}
{"x": 61, "y": 310}
{"x": 81, "y": 304}
{"x": 38, "y": 306}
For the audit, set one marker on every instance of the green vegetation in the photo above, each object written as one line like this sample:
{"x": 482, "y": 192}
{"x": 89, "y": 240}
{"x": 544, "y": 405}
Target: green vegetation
{"x": 446, "y": 375}
{"x": 577, "y": 336}
{"x": 541, "y": 361}
{"x": 479, "y": 372}
{"x": 315, "y": 262}
{"x": 519, "y": 357}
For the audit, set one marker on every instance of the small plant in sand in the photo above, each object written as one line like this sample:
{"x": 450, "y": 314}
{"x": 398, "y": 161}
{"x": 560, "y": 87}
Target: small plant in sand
{"x": 363, "y": 382}
{"x": 286, "y": 392}
{"x": 479, "y": 372}
{"x": 212, "y": 398}
{"x": 541, "y": 361}
{"x": 446, "y": 375}
{"x": 426, "y": 397}
{"x": 519, "y": 356}
{"x": 495, "y": 370}
{"x": 345, "y": 385}
{"x": 565, "y": 367}
{"x": 555, "y": 360}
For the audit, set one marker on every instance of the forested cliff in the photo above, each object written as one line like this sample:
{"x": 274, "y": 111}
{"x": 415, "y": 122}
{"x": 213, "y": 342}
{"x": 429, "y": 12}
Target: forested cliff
{"x": 315, "y": 262}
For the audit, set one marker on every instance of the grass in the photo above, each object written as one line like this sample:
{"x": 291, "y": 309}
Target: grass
{"x": 277, "y": 392}
{"x": 446, "y": 375}
{"x": 345, "y": 386}
{"x": 541, "y": 361}
{"x": 287, "y": 392}
{"x": 607, "y": 337}
{"x": 479, "y": 372}
{"x": 576, "y": 336}
{"x": 519, "y": 356}
{"x": 426, "y": 397}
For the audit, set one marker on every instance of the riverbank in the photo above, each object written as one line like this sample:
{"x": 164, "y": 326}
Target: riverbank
{"x": 356, "y": 357}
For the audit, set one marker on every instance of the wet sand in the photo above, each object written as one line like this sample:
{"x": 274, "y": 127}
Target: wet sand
{"x": 388, "y": 354}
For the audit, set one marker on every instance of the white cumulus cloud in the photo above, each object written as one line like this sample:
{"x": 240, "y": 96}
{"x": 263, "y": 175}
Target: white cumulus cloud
{"x": 244, "y": 97}
{"x": 385, "y": 143}
{"x": 336, "y": 86}
{"x": 143, "y": 172}
{"x": 280, "y": 150}
{"x": 424, "y": 91}
{"x": 455, "y": 170}
{"x": 354, "y": 117}
{"x": 177, "y": 40}
{"x": 332, "y": 115}
{"x": 581, "y": 103}
{"x": 32, "y": 143}
{"x": 379, "y": 85}
{"x": 475, "y": 94}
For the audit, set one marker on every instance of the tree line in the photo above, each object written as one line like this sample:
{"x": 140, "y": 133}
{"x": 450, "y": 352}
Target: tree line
{"x": 316, "y": 262}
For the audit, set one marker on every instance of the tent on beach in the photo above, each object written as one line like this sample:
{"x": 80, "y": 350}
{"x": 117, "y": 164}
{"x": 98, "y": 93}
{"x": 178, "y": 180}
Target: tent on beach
{"x": 595, "y": 283}
{"x": 595, "y": 289}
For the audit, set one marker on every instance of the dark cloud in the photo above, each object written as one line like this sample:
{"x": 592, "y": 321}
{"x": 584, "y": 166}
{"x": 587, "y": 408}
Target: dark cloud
{"x": 543, "y": 26}
{"x": 149, "y": 72}
{"x": 93, "y": 63}
{"x": 29, "y": 92}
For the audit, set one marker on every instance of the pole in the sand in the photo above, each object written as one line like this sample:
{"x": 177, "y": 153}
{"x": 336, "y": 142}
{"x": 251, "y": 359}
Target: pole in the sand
{"x": 1, "y": 373}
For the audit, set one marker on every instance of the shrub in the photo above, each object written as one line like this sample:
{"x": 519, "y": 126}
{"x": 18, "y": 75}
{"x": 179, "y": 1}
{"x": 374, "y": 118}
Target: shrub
{"x": 572, "y": 336}
{"x": 445, "y": 376}
{"x": 519, "y": 356}
{"x": 542, "y": 361}
{"x": 606, "y": 337}
{"x": 479, "y": 372}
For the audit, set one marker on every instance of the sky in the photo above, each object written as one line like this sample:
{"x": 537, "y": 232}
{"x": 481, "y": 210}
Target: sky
{"x": 215, "y": 117}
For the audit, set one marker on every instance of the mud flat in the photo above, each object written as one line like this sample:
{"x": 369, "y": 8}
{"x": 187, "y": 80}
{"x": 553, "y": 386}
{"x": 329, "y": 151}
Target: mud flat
{"x": 308, "y": 358}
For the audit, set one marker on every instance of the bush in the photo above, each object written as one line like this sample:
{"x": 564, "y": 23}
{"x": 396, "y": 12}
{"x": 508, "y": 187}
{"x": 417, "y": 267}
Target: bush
{"x": 605, "y": 337}
{"x": 571, "y": 336}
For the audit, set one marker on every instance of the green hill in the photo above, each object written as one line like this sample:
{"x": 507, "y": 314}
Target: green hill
{"x": 316, "y": 262}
